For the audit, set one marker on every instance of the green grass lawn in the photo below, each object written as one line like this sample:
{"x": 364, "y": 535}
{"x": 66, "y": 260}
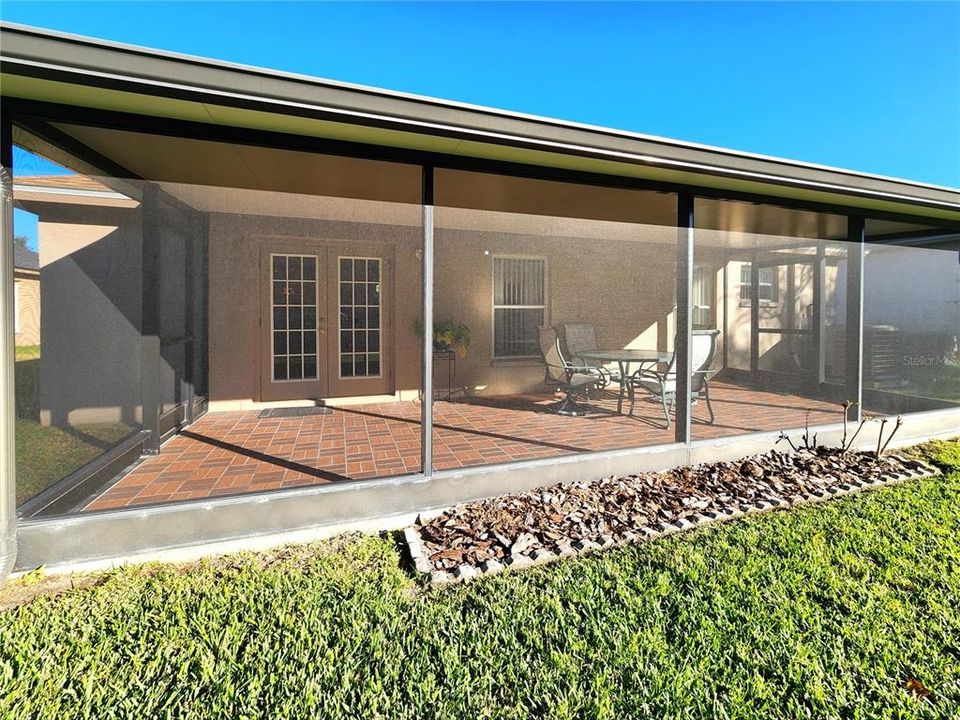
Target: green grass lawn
{"x": 819, "y": 612}
{"x": 26, "y": 352}
{"x": 46, "y": 454}
{"x": 941, "y": 382}
{"x": 26, "y": 382}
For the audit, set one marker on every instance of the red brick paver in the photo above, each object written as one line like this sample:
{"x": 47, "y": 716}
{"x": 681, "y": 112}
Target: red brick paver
{"x": 237, "y": 452}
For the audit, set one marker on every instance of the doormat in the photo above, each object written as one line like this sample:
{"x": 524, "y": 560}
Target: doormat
{"x": 294, "y": 412}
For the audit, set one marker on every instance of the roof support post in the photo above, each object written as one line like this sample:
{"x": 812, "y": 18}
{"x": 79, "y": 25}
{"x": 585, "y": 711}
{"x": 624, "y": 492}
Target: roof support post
{"x": 201, "y": 344}
{"x": 8, "y": 473}
{"x": 755, "y": 314}
{"x": 426, "y": 407}
{"x": 189, "y": 381}
{"x": 818, "y": 321}
{"x": 150, "y": 319}
{"x": 195, "y": 313}
{"x": 854, "y": 345}
{"x": 682, "y": 343}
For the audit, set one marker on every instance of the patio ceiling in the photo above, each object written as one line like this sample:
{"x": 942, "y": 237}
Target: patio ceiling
{"x": 242, "y": 179}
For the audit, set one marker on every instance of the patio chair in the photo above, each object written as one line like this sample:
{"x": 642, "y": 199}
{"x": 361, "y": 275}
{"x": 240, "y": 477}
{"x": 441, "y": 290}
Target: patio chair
{"x": 571, "y": 379}
{"x": 663, "y": 385}
{"x": 582, "y": 337}
{"x": 583, "y": 340}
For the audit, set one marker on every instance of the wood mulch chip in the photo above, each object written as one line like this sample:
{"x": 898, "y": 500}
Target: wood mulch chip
{"x": 615, "y": 509}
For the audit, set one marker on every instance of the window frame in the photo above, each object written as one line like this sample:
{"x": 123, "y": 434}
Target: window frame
{"x": 707, "y": 277}
{"x": 773, "y": 284}
{"x": 494, "y": 306}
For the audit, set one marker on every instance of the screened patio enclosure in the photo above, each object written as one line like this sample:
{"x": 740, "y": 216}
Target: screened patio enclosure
{"x": 202, "y": 340}
{"x": 239, "y": 303}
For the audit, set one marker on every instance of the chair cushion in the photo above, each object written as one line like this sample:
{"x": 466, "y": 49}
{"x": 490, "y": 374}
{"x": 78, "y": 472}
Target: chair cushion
{"x": 612, "y": 369}
{"x": 581, "y": 379}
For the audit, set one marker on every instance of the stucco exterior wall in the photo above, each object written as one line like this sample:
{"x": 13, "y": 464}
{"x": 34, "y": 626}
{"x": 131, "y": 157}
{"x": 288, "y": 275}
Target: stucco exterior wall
{"x": 621, "y": 278}
{"x": 926, "y": 299}
{"x": 235, "y": 285}
{"x": 27, "y": 323}
{"x": 91, "y": 299}
{"x": 624, "y": 288}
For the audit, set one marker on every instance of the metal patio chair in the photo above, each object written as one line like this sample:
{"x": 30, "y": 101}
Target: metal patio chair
{"x": 581, "y": 338}
{"x": 573, "y": 380}
{"x": 663, "y": 385}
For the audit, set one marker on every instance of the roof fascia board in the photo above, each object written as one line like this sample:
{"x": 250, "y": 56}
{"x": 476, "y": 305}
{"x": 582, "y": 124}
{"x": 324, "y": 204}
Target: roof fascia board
{"x": 67, "y": 191}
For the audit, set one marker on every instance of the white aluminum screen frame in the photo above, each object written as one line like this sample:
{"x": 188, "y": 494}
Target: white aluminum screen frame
{"x": 16, "y": 306}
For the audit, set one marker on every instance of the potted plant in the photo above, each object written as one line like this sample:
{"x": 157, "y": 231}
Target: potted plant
{"x": 448, "y": 335}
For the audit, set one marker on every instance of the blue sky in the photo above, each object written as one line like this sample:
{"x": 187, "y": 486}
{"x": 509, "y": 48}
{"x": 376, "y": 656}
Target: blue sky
{"x": 873, "y": 87}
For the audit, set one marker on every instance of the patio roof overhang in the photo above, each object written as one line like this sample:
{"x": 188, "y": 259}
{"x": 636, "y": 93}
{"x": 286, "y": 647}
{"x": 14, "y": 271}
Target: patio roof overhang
{"x": 40, "y": 66}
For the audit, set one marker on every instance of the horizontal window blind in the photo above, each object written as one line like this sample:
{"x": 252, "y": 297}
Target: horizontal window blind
{"x": 519, "y": 305}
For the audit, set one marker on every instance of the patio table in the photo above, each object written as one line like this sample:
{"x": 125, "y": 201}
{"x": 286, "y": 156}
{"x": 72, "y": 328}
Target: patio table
{"x": 625, "y": 357}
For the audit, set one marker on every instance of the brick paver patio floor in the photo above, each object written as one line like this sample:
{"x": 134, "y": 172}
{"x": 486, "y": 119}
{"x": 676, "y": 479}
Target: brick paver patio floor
{"x": 238, "y": 452}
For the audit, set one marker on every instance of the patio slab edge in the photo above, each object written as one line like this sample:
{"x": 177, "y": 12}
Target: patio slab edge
{"x": 540, "y": 556}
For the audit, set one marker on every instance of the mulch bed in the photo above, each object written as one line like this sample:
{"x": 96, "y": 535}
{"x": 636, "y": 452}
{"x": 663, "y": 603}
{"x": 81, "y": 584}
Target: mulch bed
{"x": 561, "y": 520}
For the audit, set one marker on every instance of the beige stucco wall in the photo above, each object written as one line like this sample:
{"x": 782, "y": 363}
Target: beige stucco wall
{"x": 90, "y": 294}
{"x": 620, "y": 277}
{"x": 27, "y": 289}
{"x": 624, "y": 288}
{"x": 234, "y": 300}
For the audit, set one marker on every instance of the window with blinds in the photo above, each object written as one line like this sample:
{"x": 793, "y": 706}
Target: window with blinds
{"x": 766, "y": 288}
{"x": 519, "y": 305}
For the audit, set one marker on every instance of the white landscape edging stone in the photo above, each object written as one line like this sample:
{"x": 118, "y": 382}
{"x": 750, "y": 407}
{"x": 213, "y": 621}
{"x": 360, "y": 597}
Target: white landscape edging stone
{"x": 541, "y": 556}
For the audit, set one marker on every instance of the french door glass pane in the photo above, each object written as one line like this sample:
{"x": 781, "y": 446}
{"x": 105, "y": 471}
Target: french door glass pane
{"x": 293, "y": 278}
{"x": 359, "y": 314}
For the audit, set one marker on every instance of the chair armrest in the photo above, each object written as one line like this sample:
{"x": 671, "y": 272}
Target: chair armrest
{"x": 645, "y": 374}
{"x": 602, "y": 372}
{"x": 585, "y": 369}
{"x": 570, "y": 370}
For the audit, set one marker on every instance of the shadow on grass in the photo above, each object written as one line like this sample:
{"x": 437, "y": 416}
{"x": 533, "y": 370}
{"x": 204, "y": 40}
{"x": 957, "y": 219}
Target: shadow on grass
{"x": 27, "y": 389}
{"x": 404, "y": 559}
